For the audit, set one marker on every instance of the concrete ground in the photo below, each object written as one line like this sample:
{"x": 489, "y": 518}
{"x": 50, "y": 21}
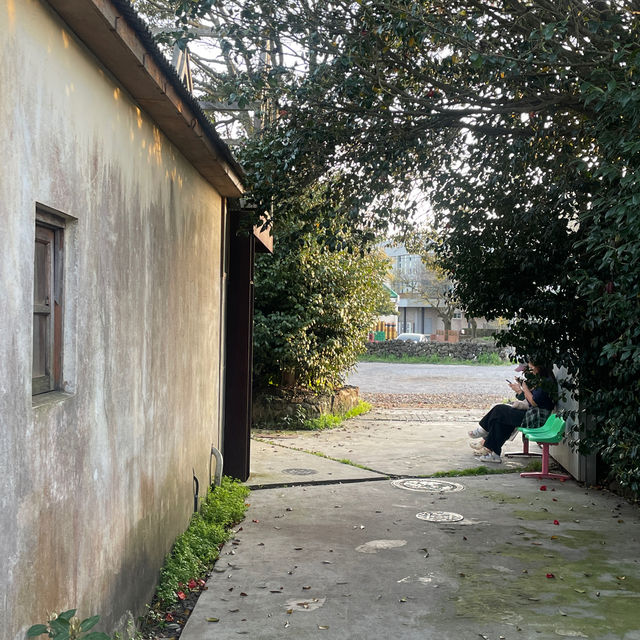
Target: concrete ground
{"x": 333, "y": 550}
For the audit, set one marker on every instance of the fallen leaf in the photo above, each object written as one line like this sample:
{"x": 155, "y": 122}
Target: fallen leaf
{"x": 213, "y": 619}
{"x": 168, "y": 617}
{"x": 621, "y": 577}
{"x": 554, "y": 537}
{"x": 256, "y": 521}
{"x": 242, "y": 593}
{"x": 322, "y": 626}
{"x": 306, "y": 587}
{"x": 579, "y": 590}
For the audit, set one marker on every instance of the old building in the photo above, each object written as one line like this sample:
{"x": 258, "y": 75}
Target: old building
{"x": 118, "y": 265}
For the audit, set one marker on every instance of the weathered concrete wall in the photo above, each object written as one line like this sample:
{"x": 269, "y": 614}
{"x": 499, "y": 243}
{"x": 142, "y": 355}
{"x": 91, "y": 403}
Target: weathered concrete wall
{"x": 96, "y": 483}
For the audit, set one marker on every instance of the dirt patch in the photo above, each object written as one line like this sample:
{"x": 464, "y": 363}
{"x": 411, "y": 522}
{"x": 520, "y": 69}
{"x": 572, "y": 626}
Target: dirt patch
{"x": 423, "y": 400}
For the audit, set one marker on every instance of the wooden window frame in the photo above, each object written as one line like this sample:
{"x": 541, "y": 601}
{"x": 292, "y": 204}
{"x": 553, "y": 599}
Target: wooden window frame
{"x": 49, "y": 231}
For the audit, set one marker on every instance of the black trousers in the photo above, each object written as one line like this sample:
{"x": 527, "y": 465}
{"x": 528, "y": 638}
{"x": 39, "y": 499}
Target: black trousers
{"x": 500, "y": 423}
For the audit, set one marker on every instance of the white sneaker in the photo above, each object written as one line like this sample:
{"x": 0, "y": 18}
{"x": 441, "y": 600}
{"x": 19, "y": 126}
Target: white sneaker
{"x": 478, "y": 432}
{"x": 491, "y": 457}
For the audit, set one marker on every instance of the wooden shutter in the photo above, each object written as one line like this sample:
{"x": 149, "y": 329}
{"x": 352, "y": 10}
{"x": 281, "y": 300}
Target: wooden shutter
{"x": 43, "y": 315}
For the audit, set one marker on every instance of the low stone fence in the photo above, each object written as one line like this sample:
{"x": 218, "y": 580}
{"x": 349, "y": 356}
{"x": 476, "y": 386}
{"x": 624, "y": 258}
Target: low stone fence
{"x": 269, "y": 408}
{"x": 459, "y": 350}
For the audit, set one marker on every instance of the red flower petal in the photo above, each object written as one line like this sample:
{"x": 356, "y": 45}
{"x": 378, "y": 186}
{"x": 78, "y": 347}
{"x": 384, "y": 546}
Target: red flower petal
{"x": 192, "y": 584}
{"x": 181, "y": 595}
{"x": 543, "y": 487}
{"x": 550, "y": 575}
{"x": 555, "y": 522}
{"x": 168, "y": 617}
{"x": 201, "y": 582}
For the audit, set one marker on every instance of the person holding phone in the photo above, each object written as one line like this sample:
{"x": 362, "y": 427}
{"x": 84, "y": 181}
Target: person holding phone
{"x": 536, "y": 393}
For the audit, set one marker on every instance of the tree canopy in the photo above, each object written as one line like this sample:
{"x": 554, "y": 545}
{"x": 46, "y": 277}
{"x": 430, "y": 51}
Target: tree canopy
{"x": 516, "y": 120}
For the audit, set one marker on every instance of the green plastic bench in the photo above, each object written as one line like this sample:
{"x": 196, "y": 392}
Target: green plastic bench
{"x": 551, "y": 432}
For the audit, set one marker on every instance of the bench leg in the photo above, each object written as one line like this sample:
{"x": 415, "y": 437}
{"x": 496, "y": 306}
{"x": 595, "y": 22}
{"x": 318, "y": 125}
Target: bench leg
{"x": 545, "y": 468}
{"x": 525, "y": 451}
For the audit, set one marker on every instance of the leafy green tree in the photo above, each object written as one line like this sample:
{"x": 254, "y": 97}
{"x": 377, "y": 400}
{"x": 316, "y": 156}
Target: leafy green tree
{"x": 519, "y": 122}
{"x": 313, "y": 310}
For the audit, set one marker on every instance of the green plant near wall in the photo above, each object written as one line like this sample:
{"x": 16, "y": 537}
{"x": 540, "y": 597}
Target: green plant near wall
{"x": 300, "y": 422}
{"x": 195, "y": 551}
{"x": 65, "y": 626}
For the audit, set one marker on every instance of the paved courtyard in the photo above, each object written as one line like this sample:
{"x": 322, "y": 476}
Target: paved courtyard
{"x": 342, "y": 540}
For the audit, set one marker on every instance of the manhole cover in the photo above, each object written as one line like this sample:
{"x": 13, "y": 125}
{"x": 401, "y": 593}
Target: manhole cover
{"x": 426, "y": 484}
{"x": 299, "y": 472}
{"x": 439, "y": 516}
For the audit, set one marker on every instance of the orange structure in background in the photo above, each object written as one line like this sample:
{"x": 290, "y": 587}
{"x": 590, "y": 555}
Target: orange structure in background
{"x": 389, "y": 330}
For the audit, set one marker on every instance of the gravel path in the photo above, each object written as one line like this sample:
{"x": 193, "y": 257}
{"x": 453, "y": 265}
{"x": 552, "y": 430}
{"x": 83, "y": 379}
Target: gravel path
{"x": 389, "y": 385}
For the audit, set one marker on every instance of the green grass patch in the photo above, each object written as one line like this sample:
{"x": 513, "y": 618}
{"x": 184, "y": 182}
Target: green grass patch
{"x": 534, "y": 465}
{"x": 482, "y": 359}
{"x": 195, "y": 551}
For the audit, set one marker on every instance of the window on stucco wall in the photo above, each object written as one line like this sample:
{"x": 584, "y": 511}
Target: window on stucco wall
{"x": 47, "y": 302}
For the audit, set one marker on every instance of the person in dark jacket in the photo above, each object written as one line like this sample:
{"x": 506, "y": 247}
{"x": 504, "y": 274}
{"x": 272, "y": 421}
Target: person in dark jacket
{"x": 538, "y": 389}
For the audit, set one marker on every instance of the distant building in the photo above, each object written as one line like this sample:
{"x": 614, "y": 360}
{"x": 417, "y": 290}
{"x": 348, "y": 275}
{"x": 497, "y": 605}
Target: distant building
{"x": 423, "y": 304}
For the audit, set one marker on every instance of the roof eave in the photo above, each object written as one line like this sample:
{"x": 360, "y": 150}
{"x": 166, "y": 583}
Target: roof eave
{"x": 120, "y": 40}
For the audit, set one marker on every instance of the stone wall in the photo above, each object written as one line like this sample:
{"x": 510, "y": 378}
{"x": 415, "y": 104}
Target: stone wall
{"x": 269, "y": 408}
{"x": 460, "y": 350}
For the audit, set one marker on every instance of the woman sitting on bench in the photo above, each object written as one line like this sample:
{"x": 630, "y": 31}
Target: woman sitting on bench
{"x": 497, "y": 426}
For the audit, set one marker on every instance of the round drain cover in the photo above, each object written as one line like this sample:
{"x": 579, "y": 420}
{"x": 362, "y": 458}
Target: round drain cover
{"x": 439, "y": 516}
{"x": 427, "y": 484}
{"x": 299, "y": 472}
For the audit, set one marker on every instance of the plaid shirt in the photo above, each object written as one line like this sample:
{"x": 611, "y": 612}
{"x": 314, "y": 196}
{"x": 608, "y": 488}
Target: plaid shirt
{"x": 535, "y": 417}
